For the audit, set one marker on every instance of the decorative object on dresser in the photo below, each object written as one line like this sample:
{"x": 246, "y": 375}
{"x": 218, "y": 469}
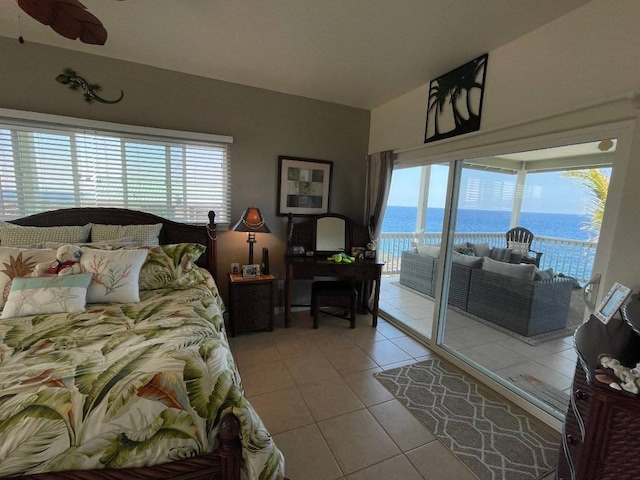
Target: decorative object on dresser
{"x": 600, "y": 435}
{"x": 251, "y": 222}
{"x": 251, "y": 303}
{"x": 304, "y": 186}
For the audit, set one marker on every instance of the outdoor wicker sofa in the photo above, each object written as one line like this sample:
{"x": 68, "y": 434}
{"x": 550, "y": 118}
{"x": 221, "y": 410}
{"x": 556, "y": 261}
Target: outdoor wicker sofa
{"x": 525, "y": 307}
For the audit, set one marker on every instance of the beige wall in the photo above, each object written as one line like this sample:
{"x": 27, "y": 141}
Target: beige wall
{"x": 264, "y": 124}
{"x": 581, "y": 58}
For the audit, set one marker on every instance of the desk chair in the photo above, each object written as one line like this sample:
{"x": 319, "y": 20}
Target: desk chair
{"x": 334, "y": 294}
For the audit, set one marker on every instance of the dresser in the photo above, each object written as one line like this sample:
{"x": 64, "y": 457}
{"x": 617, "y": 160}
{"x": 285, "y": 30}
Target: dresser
{"x": 601, "y": 435}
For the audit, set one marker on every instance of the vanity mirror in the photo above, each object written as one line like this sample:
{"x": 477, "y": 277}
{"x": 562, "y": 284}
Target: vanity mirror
{"x": 330, "y": 235}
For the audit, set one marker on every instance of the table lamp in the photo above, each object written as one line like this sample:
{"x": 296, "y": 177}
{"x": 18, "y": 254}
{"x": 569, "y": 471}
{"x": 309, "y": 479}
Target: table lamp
{"x": 251, "y": 222}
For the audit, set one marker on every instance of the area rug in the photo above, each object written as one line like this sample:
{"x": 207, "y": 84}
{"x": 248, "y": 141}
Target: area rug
{"x": 574, "y": 319}
{"x": 496, "y": 439}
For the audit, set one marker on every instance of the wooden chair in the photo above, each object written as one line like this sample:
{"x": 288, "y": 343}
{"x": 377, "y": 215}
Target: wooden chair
{"x": 522, "y": 235}
{"x": 333, "y": 294}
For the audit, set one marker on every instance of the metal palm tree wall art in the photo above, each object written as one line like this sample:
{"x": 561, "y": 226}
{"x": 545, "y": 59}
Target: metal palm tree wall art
{"x": 454, "y": 106}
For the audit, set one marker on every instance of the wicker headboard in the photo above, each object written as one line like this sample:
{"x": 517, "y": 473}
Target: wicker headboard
{"x": 172, "y": 232}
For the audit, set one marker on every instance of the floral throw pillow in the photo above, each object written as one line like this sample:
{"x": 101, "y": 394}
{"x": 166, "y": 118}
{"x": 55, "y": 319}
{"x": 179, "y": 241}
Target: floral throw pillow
{"x": 115, "y": 274}
{"x": 172, "y": 266}
{"x": 43, "y": 295}
{"x": 19, "y": 262}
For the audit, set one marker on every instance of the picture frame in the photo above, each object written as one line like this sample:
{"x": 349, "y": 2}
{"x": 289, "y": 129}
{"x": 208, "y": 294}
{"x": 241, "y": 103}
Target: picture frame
{"x": 304, "y": 186}
{"x": 251, "y": 271}
{"x": 612, "y": 301}
{"x": 357, "y": 252}
{"x": 235, "y": 268}
{"x": 370, "y": 254}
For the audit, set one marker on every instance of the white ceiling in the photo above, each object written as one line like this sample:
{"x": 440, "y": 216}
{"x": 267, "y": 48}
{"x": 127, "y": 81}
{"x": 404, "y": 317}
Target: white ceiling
{"x": 361, "y": 53}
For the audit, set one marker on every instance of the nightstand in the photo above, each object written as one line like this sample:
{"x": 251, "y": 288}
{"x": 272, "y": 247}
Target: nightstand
{"x": 251, "y": 303}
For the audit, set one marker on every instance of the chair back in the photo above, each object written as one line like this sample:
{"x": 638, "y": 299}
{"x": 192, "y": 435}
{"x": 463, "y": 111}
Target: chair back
{"x": 519, "y": 234}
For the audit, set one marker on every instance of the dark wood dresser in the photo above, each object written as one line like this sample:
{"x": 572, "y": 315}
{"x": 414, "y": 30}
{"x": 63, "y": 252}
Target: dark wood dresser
{"x": 601, "y": 438}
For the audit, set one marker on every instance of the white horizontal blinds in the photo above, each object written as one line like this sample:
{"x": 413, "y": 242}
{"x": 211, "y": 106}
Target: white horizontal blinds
{"x": 44, "y": 168}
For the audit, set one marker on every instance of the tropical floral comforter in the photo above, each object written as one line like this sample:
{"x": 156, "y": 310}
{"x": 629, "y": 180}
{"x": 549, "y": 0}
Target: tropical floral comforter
{"x": 124, "y": 385}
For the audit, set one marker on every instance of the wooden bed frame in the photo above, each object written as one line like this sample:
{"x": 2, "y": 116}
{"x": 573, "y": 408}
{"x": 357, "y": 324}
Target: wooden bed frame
{"x": 222, "y": 464}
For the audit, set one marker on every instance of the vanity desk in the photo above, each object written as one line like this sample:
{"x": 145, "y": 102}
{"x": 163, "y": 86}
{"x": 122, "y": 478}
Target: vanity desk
{"x": 601, "y": 435}
{"x": 324, "y": 235}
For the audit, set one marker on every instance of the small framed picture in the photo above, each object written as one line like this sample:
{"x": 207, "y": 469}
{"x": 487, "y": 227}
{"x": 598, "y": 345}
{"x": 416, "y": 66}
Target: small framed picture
{"x": 235, "y": 268}
{"x": 612, "y": 302}
{"x": 370, "y": 254}
{"x": 296, "y": 250}
{"x": 251, "y": 271}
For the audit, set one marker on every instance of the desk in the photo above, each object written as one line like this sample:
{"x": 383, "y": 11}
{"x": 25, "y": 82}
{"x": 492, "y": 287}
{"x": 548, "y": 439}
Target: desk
{"x": 367, "y": 270}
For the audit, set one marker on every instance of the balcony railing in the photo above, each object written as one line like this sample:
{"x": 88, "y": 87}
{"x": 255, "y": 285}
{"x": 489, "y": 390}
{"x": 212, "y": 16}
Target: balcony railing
{"x": 573, "y": 258}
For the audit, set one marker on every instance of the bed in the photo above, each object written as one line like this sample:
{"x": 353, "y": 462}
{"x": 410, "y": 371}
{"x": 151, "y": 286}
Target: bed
{"x": 144, "y": 390}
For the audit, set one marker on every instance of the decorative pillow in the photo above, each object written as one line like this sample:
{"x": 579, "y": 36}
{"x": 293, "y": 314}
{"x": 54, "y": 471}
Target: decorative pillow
{"x": 429, "y": 250}
{"x": 482, "y": 249}
{"x": 500, "y": 254}
{"x": 468, "y": 260}
{"x": 519, "y": 247}
{"x": 521, "y": 272}
{"x": 469, "y": 251}
{"x": 15, "y": 235}
{"x": 42, "y": 295}
{"x": 544, "y": 274}
{"x": 115, "y": 274}
{"x": 172, "y": 266}
{"x": 142, "y": 234}
{"x": 106, "y": 245}
{"x": 18, "y": 262}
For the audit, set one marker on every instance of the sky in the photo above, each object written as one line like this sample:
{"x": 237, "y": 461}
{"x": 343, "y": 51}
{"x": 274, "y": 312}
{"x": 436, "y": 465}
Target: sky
{"x": 481, "y": 190}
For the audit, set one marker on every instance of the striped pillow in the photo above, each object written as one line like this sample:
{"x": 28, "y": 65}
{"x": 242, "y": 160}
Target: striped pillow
{"x": 15, "y": 235}
{"x": 141, "y": 234}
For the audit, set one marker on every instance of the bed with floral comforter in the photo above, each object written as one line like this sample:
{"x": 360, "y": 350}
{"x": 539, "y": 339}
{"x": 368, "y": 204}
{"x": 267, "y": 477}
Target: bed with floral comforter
{"x": 124, "y": 385}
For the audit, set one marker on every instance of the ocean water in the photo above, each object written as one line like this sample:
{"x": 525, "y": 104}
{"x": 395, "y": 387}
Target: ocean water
{"x": 558, "y": 225}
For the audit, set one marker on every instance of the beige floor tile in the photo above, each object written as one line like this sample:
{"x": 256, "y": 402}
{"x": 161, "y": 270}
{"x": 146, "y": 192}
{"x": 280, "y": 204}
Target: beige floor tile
{"x": 386, "y": 352}
{"x": 435, "y": 461}
{"x": 357, "y": 440}
{"x": 368, "y": 336}
{"x": 333, "y": 341}
{"x": 351, "y": 359}
{"x": 411, "y": 346}
{"x": 396, "y": 468}
{"x": 329, "y": 398}
{"x": 256, "y": 355}
{"x": 307, "y": 455}
{"x": 282, "y": 410}
{"x": 297, "y": 347}
{"x": 310, "y": 368}
{"x": 404, "y": 428}
{"x": 368, "y": 389}
{"x": 389, "y": 331}
{"x": 265, "y": 378}
{"x": 559, "y": 363}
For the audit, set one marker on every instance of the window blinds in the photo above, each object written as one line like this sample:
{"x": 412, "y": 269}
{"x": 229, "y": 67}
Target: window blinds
{"x": 45, "y": 167}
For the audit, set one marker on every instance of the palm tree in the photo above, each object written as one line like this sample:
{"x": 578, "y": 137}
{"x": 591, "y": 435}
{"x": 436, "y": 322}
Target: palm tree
{"x": 597, "y": 184}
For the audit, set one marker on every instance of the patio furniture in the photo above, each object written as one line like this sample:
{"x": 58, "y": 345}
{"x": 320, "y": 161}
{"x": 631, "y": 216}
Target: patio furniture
{"x": 519, "y": 239}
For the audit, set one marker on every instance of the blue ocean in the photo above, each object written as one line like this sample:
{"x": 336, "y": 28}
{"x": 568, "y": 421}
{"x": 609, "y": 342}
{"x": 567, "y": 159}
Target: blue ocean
{"x": 558, "y": 225}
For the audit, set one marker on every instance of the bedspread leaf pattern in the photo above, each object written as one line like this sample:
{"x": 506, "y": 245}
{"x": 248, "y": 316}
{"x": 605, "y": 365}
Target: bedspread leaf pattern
{"x": 124, "y": 385}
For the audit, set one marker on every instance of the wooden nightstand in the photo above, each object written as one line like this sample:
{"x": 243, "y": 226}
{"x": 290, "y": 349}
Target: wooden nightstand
{"x": 251, "y": 303}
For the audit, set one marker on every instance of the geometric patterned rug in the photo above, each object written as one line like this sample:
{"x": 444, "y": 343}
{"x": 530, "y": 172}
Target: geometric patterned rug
{"x": 496, "y": 439}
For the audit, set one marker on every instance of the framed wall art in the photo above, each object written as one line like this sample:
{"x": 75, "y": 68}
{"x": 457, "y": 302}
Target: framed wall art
{"x": 454, "y": 106}
{"x": 304, "y": 186}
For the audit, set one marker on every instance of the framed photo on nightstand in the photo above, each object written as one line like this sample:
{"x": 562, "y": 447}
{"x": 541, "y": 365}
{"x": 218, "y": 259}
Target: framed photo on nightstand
{"x": 251, "y": 271}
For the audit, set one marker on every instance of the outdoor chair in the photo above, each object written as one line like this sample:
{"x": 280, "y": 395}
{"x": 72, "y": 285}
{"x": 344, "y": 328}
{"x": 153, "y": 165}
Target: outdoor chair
{"x": 519, "y": 240}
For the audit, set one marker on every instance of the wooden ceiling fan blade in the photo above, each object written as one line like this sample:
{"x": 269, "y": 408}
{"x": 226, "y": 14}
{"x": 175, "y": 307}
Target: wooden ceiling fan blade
{"x": 68, "y": 18}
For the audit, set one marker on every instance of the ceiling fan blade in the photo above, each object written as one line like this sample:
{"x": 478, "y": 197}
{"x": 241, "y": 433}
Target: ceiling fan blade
{"x": 68, "y": 18}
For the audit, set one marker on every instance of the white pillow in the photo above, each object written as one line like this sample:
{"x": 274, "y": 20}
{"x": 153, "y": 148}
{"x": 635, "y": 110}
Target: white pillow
{"x": 519, "y": 247}
{"x": 468, "y": 260}
{"x": 15, "y": 235}
{"x": 521, "y": 272}
{"x": 429, "y": 250}
{"x": 115, "y": 274}
{"x": 142, "y": 234}
{"x": 43, "y": 295}
{"x": 19, "y": 262}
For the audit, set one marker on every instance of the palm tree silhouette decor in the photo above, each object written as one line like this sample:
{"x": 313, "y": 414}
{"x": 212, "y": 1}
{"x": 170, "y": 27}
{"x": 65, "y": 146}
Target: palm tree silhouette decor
{"x": 454, "y": 106}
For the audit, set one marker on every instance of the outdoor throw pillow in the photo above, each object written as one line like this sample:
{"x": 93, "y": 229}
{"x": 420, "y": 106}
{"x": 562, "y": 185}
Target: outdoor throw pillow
{"x": 429, "y": 250}
{"x": 544, "y": 274}
{"x": 519, "y": 247}
{"x": 115, "y": 274}
{"x": 482, "y": 249}
{"x": 500, "y": 254}
{"x": 43, "y": 295}
{"x": 468, "y": 260}
{"x": 521, "y": 272}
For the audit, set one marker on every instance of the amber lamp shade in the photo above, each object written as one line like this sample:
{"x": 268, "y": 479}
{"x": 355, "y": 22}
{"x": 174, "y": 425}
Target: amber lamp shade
{"x": 251, "y": 222}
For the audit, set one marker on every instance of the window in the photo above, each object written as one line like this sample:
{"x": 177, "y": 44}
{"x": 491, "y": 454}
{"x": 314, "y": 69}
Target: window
{"x": 46, "y": 165}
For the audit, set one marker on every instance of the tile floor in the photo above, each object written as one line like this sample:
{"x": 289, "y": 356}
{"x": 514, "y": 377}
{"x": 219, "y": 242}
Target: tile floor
{"x": 552, "y": 363}
{"x": 315, "y": 392}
